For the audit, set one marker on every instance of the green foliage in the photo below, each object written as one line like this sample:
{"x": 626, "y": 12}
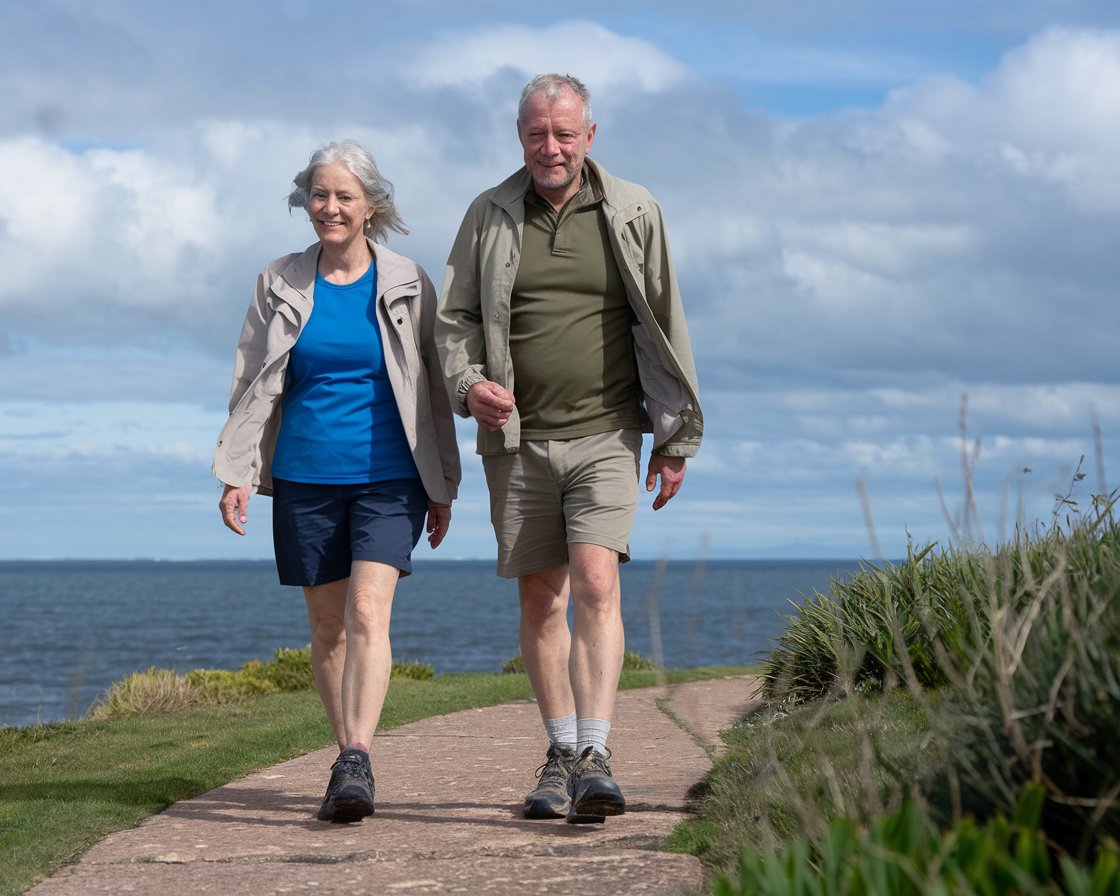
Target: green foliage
{"x": 923, "y": 620}
{"x": 882, "y": 626}
{"x": 789, "y": 771}
{"x": 290, "y": 669}
{"x": 216, "y": 686}
{"x": 1041, "y": 701}
{"x": 631, "y": 662}
{"x": 904, "y": 853}
{"x": 414, "y": 669}
{"x": 1018, "y": 652}
{"x": 65, "y": 786}
{"x": 635, "y": 662}
{"x": 162, "y": 690}
{"x": 141, "y": 693}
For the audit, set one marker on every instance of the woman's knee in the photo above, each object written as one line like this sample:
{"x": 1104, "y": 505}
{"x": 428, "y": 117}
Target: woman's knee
{"x": 369, "y": 611}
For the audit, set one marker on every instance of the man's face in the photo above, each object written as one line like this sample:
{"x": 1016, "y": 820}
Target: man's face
{"x": 555, "y": 141}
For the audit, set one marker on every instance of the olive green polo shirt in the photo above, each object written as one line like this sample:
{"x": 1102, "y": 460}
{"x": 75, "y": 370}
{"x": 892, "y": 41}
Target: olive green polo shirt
{"x": 570, "y": 341}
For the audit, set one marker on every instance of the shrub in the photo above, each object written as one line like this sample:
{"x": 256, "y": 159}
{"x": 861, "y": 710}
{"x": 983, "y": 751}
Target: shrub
{"x": 290, "y": 669}
{"x": 412, "y": 669}
{"x": 223, "y": 686}
{"x": 630, "y": 662}
{"x": 157, "y": 690}
{"x": 788, "y": 772}
{"x": 1041, "y": 700}
{"x": 1025, "y": 643}
{"x": 883, "y": 625}
{"x": 905, "y": 854}
{"x": 162, "y": 690}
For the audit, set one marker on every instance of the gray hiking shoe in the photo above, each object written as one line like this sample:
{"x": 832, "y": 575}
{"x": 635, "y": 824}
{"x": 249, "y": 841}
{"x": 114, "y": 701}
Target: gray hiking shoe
{"x": 550, "y": 798}
{"x": 593, "y": 790}
{"x": 350, "y": 792}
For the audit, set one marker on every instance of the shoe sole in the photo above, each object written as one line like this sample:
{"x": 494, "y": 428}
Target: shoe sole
{"x": 349, "y": 811}
{"x": 538, "y": 811}
{"x": 595, "y": 810}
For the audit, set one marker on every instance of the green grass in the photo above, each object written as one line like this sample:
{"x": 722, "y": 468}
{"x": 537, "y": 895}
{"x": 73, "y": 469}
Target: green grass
{"x": 65, "y": 786}
{"x": 786, "y": 773}
{"x": 918, "y": 708}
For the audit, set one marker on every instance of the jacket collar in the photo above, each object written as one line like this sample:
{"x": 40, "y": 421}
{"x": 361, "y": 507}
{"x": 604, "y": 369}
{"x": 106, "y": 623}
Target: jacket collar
{"x": 510, "y": 193}
{"x": 396, "y": 276}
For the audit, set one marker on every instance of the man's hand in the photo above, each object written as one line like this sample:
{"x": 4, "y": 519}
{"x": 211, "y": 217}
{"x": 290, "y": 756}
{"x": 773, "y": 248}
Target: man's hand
{"x": 490, "y": 405}
{"x": 671, "y": 471}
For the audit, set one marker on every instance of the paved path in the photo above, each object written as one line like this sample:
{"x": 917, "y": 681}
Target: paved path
{"x": 448, "y": 817}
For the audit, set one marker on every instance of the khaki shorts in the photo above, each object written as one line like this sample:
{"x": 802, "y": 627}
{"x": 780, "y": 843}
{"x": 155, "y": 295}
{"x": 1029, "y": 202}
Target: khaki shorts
{"x": 553, "y": 493}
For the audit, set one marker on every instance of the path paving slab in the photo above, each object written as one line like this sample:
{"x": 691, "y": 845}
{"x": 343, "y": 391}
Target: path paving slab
{"x": 448, "y": 817}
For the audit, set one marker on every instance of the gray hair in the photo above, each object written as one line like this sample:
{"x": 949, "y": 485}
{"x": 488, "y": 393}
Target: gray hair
{"x": 552, "y": 86}
{"x": 360, "y": 163}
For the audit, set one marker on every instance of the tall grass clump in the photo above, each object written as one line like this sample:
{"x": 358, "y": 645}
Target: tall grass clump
{"x": 142, "y": 693}
{"x": 162, "y": 690}
{"x": 1041, "y": 702}
{"x": 906, "y": 853}
{"x": 631, "y": 662}
{"x": 922, "y": 619}
{"x": 1016, "y": 653}
{"x": 884, "y": 624}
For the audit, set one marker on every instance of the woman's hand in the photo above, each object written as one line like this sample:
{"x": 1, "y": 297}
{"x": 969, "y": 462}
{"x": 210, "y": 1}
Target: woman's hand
{"x": 235, "y": 507}
{"x": 439, "y": 521}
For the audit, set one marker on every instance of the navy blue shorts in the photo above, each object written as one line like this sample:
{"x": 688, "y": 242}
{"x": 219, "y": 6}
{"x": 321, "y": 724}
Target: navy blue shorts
{"x": 318, "y": 530}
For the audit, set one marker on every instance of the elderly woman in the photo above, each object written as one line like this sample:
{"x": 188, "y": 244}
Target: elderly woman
{"x": 338, "y": 411}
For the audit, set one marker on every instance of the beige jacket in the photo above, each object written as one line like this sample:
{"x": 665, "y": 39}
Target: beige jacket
{"x": 280, "y": 307}
{"x": 472, "y": 327}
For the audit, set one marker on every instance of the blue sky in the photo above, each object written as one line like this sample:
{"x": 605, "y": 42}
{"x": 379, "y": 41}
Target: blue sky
{"x": 888, "y": 218}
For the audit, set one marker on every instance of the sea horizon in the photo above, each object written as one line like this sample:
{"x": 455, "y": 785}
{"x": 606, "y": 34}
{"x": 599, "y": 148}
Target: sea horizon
{"x": 73, "y": 628}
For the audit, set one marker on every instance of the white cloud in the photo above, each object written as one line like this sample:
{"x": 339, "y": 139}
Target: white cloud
{"x": 941, "y": 232}
{"x": 610, "y": 61}
{"x": 1050, "y": 113}
{"x": 848, "y": 274}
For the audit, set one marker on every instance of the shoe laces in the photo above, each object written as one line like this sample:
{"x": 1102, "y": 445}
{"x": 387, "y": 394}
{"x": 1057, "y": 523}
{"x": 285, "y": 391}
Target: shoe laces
{"x": 556, "y": 765}
{"x": 592, "y": 759}
{"x": 357, "y": 763}
{"x": 349, "y": 757}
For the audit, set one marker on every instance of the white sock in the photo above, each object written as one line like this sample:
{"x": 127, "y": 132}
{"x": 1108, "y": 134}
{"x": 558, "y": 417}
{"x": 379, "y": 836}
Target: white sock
{"x": 562, "y": 731}
{"x": 592, "y": 733}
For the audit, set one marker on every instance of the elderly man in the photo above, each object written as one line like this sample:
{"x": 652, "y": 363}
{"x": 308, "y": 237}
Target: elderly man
{"x": 562, "y": 333}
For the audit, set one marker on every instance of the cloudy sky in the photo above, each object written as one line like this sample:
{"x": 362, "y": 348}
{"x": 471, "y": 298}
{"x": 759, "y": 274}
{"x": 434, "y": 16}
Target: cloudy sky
{"x": 888, "y": 218}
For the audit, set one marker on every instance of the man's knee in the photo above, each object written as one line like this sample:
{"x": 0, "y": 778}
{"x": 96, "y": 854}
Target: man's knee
{"x": 544, "y": 596}
{"x": 594, "y": 568}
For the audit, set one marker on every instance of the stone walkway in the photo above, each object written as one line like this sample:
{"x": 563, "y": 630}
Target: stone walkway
{"x": 448, "y": 817}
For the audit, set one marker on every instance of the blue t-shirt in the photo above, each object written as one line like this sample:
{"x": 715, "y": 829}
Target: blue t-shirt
{"x": 340, "y": 422}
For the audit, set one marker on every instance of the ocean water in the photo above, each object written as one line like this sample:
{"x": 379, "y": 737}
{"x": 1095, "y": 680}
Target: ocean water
{"x": 70, "y": 630}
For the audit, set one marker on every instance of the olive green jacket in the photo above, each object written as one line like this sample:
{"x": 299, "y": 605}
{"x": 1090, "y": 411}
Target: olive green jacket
{"x": 472, "y": 323}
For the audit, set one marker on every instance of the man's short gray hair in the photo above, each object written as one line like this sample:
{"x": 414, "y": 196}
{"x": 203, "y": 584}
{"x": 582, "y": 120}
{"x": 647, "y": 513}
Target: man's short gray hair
{"x": 360, "y": 163}
{"x": 552, "y": 86}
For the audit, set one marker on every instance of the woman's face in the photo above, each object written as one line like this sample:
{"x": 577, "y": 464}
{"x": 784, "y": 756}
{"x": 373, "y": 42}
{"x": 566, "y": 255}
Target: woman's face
{"x": 337, "y": 206}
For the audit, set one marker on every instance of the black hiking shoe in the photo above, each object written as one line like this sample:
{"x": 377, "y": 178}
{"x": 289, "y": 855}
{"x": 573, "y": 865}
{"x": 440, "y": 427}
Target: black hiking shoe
{"x": 593, "y": 790}
{"x": 350, "y": 792}
{"x": 550, "y": 798}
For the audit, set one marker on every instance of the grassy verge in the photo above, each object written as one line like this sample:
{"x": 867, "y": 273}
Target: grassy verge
{"x": 64, "y": 787}
{"x": 944, "y": 725}
{"x": 787, "y": 773}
